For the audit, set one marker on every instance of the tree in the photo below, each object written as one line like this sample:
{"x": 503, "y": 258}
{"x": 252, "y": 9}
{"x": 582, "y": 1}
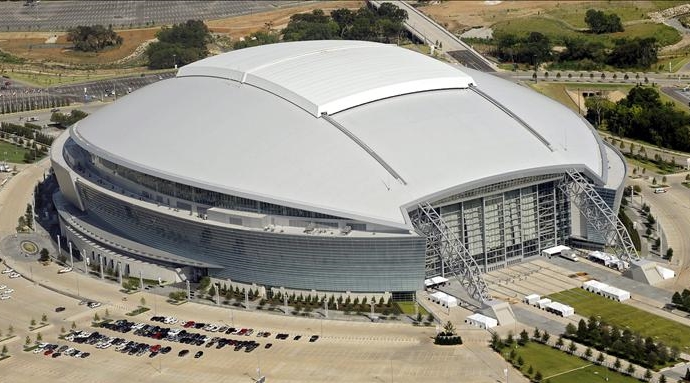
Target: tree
{"x": 600, "y": 358}
{"x": 4, "y": 349}
{"x": 33, "y": 322}
{"x": 180, "y": 44}
{"x": 74, "y": 325}
{"x": 530, "y": 370}
{"x": 572, "y": 347}
{"x": 631, "y": 369}
{"x": 662, "y": 379}
{"x": 559, "y": 342}
{"x": 538, "y": 376}
{"x": 536, "y": 335}
{"x": 669, "y": 253}
{"x": 570, "y": 329}
{"x": 520, "y": 361}
{"x": 687, "y": 375}
{"x": 142, "y": 301}
{"x": 512, "y": 354}
{"x": 39, "y": 337}
{"x": 44, "y": 318}
{"x": 599, "y": 22}
{"x": 545, "y": 337}
{"x": 96, "y": 317}
{"x": 524, "y": 338}
{"x": 27, "y": 341}
{"x": 647, "y": 375}
{"x": 10, "y": 330}
{"x": 212, "y": 291}
{"x": 617, "y": 364}
{"x": 44, "y": 255}
{"x": 588, "y": 352}
{"x": 204, "y": 283}
{"x": 93, "y": 38}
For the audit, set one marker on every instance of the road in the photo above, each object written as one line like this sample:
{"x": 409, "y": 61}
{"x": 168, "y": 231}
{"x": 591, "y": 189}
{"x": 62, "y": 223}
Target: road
{"x": 431, "y": 33}
{"x": 672, "y": 210}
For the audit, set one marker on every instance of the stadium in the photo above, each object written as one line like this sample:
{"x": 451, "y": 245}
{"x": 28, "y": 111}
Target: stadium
{"x": 335, "y": 166}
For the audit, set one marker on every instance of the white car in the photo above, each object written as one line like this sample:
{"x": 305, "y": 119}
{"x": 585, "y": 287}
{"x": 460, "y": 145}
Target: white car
{"x": 65, "y": 270}
{"x": 38, "y": 349}
{"x": 4, "y": 297}
{"x": 3, "y": 287}
{"x": 8, "y": 291}
{"x": 7, "y": 271}
{"x": 93, "y": 305}
{"x": 15, "y": 275}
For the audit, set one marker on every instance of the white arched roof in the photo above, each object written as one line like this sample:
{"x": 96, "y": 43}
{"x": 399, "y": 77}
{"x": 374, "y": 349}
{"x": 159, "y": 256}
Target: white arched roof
{"x": 214, "y": 131}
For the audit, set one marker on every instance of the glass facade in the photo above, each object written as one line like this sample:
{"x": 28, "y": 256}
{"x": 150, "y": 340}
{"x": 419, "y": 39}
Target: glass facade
{"x": 500, "y": 225}
{"x": 320, "y": 262}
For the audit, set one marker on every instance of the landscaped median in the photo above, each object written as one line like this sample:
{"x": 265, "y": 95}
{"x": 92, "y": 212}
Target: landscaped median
{"x": 542, "y": 363}
{"x": 624, "y": 316}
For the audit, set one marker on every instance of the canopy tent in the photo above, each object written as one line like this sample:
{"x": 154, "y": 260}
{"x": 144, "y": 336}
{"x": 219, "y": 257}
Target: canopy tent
{"x": 481, "y": 321}
{"x": 435, "y": 281}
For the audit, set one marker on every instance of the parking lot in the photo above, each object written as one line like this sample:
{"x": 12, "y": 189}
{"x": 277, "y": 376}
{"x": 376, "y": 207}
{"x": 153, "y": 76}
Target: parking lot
{"x": 61, "y": 15}
{"x": 344, "y": 351}
{"x": 18, "y": 98}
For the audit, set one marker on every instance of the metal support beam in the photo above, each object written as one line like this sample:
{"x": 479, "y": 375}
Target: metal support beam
{"x": 442, "y": 242}
{"x": 598, "y": 214}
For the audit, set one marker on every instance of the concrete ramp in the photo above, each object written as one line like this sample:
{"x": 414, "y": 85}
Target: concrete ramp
{"x": 644, "y": 271}
{"x": 499, "y": 310}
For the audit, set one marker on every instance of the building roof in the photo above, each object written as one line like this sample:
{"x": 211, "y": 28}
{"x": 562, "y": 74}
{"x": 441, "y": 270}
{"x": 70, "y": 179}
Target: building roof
{"x": 207, "y": 129}
{"x": 331, "y": 76}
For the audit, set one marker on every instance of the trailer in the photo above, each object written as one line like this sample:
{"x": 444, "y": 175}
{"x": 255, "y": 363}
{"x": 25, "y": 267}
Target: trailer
{"x": 554, "y": 251}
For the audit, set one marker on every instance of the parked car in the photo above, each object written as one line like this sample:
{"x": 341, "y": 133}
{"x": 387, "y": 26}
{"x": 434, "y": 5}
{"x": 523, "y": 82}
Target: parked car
{"x": 59, "y": 309}
{"x": 183, "y": 353}
{"x": 313, "y": 338}
{"x": 198, "y": 354}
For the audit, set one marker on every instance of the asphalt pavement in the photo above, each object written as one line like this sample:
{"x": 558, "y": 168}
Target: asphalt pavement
{"x": 62, "y": 15}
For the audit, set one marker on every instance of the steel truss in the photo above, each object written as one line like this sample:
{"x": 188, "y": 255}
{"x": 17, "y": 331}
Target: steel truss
{"x": 598, "y": 214}
{"x": 442, "y": 242}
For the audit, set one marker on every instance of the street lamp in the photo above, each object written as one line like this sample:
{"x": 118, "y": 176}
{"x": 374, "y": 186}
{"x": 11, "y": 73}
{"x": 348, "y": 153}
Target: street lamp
{"x": 175, "y": 61}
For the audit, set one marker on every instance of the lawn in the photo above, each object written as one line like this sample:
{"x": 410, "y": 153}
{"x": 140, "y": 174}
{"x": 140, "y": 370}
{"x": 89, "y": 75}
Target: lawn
{"x": 624, "y": 316}
{"x": 558, "y": 31}
{"x": 560, "y": 367}
{"x": 11, "y": 153}
{"x": 408, "y": 308}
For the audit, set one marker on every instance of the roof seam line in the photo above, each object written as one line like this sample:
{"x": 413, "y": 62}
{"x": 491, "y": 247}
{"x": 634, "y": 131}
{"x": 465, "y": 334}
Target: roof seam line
{"x": 513, "y": 116}
{"x": 364, "y": 146}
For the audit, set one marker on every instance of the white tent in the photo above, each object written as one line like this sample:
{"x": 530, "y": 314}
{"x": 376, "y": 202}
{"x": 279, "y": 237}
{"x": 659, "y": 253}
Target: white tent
{"x": 551, "y": 251}
{"x": 665, "y": 273}
{"x": 606, "y": 290}
{"x": 444, "y": 299}
{"x": 543, "y": 303}
{"x": 481, "y": 321}
{"x": 531, "y": 299}
{"x": 560, "y": 309}
{"x": 435, "y": 281}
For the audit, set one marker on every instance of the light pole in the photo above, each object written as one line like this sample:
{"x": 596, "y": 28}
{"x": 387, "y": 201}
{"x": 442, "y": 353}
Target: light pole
{"x": 175, "y": 61}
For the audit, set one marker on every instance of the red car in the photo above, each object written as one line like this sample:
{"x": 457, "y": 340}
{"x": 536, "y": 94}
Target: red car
{"x": 48, "y": 352}
{"x": 155, "y": 348}
{"x": 189, "y": 324}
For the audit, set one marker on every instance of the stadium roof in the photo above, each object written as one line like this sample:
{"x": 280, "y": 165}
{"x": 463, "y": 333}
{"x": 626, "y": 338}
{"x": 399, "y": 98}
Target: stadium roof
{"x": 208, "y": 129}
{"x": 331, "y": 76}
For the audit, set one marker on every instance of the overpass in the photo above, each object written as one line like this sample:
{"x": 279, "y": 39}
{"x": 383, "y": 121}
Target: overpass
{"x": 431, "y": 33}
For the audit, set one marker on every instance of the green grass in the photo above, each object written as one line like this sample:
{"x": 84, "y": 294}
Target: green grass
{"x": 408, "y": 308}
{"x": 15, "y": 153}
{"x": 624, "y": 316}
{"x": 558, "y": 31}
{"x": 568, "y": 368}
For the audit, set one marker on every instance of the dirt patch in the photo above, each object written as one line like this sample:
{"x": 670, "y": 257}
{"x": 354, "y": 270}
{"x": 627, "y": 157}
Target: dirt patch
{"x": 460, "y": 16}
{"x": 32, "y": 47}
{"x": 241, "y": 26}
